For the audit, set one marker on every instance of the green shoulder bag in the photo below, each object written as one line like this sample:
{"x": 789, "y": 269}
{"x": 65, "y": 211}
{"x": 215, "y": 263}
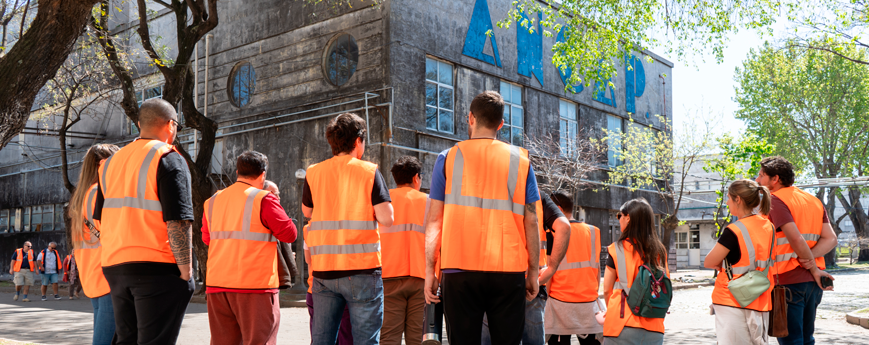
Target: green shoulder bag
{"x": 752, "y": 283}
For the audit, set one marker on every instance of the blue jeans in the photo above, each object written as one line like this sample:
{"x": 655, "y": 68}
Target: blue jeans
{"x": 802, "y": 306}
{"x": 533, "y": 332}
{"x": 49, "y": 278}
{"x": 104, "y": 320}
{"x": 363, "y": 293}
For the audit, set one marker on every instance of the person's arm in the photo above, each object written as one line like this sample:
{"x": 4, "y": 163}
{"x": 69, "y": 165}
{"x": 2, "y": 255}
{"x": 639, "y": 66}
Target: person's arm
{"x": 12, "y": 264}
{"x": 275, "y": 218}
{"x": 206, "y": 235}
{"x": 532, "y": 245}
{"x": 433, "y": 228}
{"x": 716, "y": 256}
{"x": 39, "y": 259}
{"x": 180, "y": 240}
{"x": 560, "y": 239}
{"x": 307, "y": 200}
{"x": 804, "y": 253}
{"x": 384, "y": 213}
{"x": 609, "y": 280}
{"x": 826, "y": 243}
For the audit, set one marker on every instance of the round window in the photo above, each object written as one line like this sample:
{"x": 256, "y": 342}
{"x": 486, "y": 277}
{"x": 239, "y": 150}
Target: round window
{"x": 340, "y": 60}
{"x": 242, "y": 82}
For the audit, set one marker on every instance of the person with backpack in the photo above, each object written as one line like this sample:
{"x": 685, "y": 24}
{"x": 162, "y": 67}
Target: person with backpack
{"x": 743, "y": 254}
{"x": 636, "y": 281}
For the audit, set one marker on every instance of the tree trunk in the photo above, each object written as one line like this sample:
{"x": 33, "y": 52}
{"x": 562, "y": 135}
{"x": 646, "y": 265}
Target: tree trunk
{"x": 831, "y": 257}
{"x": 35, "y": 58}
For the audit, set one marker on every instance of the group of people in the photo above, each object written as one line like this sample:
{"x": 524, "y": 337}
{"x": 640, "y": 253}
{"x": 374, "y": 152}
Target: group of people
{"x": 506, "y": 263}
{"x": 48, "y": 262}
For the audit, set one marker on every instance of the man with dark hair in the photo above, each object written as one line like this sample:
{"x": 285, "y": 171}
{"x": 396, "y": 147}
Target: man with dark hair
{"x": 403, "y": 247}
{"x": 803, "y": 237}
{"x": 243, "y": 304}
{"x": 346, "y": 198}
{"x": 483, "y": 228}
{"x": 145, "y": 204}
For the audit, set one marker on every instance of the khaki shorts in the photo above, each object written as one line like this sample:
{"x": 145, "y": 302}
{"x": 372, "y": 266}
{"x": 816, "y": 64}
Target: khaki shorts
{"x": 23, "y": 277}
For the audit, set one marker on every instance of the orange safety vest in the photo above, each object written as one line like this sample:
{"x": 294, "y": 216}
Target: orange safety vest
{"x": 310, "y": 267}
{"x": 56, "y": 257}
{"x": 483, "y": 227}
{"x": 627, "y": 262}
{"x": 578, "y": 276}
{"x": 20, "y": 255}
{"x": 403, "y": 243}
{"x": 539, "y": 206}
{"x": 134, "y": 229}
{"x": 808, "y": 214}
{"x": 243, "y": 253}
{"x": 89, "y": 252}
{"x": 343, "y": 234}
{"x": 754, "y": 234}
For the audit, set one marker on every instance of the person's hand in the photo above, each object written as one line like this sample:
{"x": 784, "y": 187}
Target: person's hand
{"x": 545, "y": 276}
{"x": 431, "y": 288}
{"x": 817, "y": 274}
{"x": 11, "y": 271}
{"x": 531, "y": 285}
{"x": 807, "y": 263}
{"x": 186, "y": 272}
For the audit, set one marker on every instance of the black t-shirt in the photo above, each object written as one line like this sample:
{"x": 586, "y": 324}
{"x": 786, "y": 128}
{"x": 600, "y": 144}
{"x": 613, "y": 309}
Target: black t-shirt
{"x": 176, "y": 200}
{"x": 379, "y": 194}
{"x": 729, "y": 240}
{"x": 550, "y": 214}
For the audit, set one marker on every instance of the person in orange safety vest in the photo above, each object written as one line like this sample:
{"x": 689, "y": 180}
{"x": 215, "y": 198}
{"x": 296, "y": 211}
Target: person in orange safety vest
{"x": 21, "y": 268}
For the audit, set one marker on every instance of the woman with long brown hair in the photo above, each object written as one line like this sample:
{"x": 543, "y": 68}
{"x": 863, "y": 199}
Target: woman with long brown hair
{"x": 86, "y": 241}
{"x": 641, "y": 245}
{"x": 749, "y": 238}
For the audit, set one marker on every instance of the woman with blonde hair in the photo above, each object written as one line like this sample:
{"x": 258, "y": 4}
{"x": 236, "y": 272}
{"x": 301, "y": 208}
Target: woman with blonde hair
{"x": 744, "y": 246}
{"x": 86, "y": 241}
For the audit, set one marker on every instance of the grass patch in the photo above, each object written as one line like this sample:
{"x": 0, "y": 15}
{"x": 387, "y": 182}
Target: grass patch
{"x": 862, "y": 264}
{"x": 862, "y": 311}
{"x": 5, "y": 284}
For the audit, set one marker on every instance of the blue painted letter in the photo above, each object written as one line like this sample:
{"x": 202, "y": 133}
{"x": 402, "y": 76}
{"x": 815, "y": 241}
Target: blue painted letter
{"x": 600, "y": 93}
{"x": 635, "y": 82}
{"x": 565, "y": 75}
{"x": 475, "y": 39}
{"x": 529, "y": 49}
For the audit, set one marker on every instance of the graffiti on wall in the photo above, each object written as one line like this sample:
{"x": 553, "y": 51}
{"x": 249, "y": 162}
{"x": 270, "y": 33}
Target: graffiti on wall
{"x": 475, "y": 39}
{"x": 529, "y": 50}
{"x": 635, "y": 82}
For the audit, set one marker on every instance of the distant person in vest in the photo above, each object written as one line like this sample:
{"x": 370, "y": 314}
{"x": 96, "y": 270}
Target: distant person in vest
{"x": 554, "y": 229}
{"x": 734, "y": 324}
{"x": 345, "y": 332}
{"x": 50, "y": 268}
{"x": 346, "y": 198}
{"x": 243, "y": 303}
{"x": 145, "y": 207}
{"x": 22, "y": 267}
{"x": 483, "y": 228}
{"x": 403, "y": 248}
{"x": 803, "y": 237}
{"x": 71, "y": 276}
{"x": 286, "y": 256}
{"x": 573, "y": 290}
{"x": 639, "y": 244}
{"x": 85, "y": 233}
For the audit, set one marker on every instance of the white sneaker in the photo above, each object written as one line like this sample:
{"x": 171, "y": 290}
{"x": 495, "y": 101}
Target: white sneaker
{"x": 71, "y": 298}
{"x": 15, "y": 298}
{"x": 25, "y": 300}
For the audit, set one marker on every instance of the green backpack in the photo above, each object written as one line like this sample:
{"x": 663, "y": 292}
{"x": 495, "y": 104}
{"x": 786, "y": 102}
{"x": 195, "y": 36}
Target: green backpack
{"x": 651, "y": 291}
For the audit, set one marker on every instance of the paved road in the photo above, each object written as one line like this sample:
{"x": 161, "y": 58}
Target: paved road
{"x": 70, "y": 322}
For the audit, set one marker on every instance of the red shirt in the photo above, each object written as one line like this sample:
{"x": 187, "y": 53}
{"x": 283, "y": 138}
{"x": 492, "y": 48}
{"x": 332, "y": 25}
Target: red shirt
{"x": 273, "y": 216}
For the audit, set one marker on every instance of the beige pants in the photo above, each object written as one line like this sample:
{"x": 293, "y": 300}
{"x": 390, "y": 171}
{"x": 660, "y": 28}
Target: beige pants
{"x": 740, "y": 326}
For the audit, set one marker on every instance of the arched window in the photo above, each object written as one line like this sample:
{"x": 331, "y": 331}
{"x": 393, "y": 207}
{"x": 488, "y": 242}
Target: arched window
{"x": 242, "y": 83}
{"x": 339, "y": 62}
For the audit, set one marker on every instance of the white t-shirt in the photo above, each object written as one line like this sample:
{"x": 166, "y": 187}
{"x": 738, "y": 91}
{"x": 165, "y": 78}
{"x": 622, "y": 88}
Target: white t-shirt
{"x": 50, "y": 262}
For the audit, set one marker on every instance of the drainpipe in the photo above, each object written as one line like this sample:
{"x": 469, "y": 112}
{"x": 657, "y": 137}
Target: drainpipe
{"x": 664, "y": 92}
{"x": 195, "y": 92}
{"x": 207, "y": 67}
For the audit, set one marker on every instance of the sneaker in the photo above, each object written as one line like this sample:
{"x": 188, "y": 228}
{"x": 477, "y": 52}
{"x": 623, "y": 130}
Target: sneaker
{"x": 15, "y": 298}
{"x": 25, "y": 299}
{"x": 57, "y": 297}
{"x": 43, "y": 298}
{"x": 71, "y": 298}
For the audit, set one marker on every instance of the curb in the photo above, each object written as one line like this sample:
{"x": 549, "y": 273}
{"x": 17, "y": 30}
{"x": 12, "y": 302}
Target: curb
{"x": 858, "y": 319}
{"x": 848, "y": 270}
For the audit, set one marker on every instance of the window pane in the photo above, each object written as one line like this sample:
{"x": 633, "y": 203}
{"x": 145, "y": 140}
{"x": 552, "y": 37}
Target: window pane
{"x": 445, "y": 98}
{"x": 505, "y": 91}
{"x": 36, "y": 218}
{"x": 431, "y": 97}
{"x": 25, "y": 222}
{"x": 445, "y": 73}
{"x": 431, "y": 117}
{"x": 562, "y": 109}
{"x": 516, "y": 97}
{"x": 58, "y": 217}
{"x": 446, "y": 121}
{"x": 4, "y": 220}
{"x": 516, "y": 115}
{"x": 504, "y": 133}
{"x": 12, "y": 218}
{"x": 518, "y": 136}
{"x": 431, "y": 69}
{"x": 614, "y": 129}
{"x": 47, "y": 218}
{"x": 139, "y": 97}
{"x": 572, "y": 131}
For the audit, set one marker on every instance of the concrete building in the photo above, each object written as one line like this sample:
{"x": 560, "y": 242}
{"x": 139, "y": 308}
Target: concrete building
{"x": 273, "y": 73}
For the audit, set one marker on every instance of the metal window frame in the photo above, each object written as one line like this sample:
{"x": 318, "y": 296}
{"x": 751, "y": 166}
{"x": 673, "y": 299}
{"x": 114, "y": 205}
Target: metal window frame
{"x": 438, "y": 85}
{"x": 518, "y": 105}
{"x": 574, "y": 121}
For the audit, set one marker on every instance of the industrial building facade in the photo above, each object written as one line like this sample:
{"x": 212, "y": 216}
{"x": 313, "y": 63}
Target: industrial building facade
{"x": 274, "y": 72}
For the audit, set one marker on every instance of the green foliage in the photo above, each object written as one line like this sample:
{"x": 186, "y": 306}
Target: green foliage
{"x": 646, "y": 157}
{"x": 600, "y": 33}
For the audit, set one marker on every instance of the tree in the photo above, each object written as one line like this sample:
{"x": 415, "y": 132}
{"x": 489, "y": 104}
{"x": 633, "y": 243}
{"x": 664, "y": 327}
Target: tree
{"x": 813, "y": 107}
{"x": 832, "y": 26}
{"x": 35, "y": 57}
{"x": 647, "y": 162}
{"x": 563, "y": 165}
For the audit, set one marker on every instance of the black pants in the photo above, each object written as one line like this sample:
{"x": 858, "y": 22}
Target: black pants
{"x": 148, "y": 308}
{"x": 565, "y": 340}
{"x": 467, "y": 295}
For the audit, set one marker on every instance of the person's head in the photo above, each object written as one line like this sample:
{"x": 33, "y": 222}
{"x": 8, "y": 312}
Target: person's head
{"x": 158, "y": 120}
{"x": 743, "y": 196}
{"x": 637, "y": 222}
{"x": 406, "y": 172}
{"x": 27, "y": 245}
{"x": 775, "y": 173}
{"x": 564, "y": 201}
{"x": 272, "y": 188}
{"x": 89, "y": 175}
{"x": 487, "y": 113}
{"x": 346, "y": 135}
{"x": 52, "y": 245}
{"x": 251, "y": 167}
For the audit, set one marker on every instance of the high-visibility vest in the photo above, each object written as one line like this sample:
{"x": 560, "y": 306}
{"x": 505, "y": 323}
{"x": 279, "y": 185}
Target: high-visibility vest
{"x": 310, "y": 267}
{"x": 403, "y": 243}
{"x": 132, "y": 216}
{"x": 483, "y": 227}
{"x": 89, "y": 252}
{"x": 576, "y": 280}
{"x": 627, "y": 262}
{"x": 343, "y": 234}
{"x": 20, "y": 255}
{"x": 755, "y": 235}
{"x": 56, "y": 257}
{"x": 243, "y": 253}
{"x": 808, "y": 214}
{"x": 540, "y": 219}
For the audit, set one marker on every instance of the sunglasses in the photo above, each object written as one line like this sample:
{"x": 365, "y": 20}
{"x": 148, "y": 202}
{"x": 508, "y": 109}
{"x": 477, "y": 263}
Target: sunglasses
{"x": 178, "y": 125}
{"x": 619, "y": 216}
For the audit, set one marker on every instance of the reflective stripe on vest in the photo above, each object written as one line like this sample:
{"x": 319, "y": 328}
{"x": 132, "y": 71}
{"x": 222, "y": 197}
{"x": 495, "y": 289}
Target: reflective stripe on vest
{"x": 343, "y": 225}
{"x": 583, "y": 264}
{"x": 245, "y": 233}
{"x": 622, "y": 283}
{"x": 807, "y": 237}
{"x": 455, "y": 196}
{"x": 396, "y": 228}
{"x": 139, "y": 202}
{"x": 19, "y": 262}
{"x": 344, "y": 248}
{"x": 749, "y": 246}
